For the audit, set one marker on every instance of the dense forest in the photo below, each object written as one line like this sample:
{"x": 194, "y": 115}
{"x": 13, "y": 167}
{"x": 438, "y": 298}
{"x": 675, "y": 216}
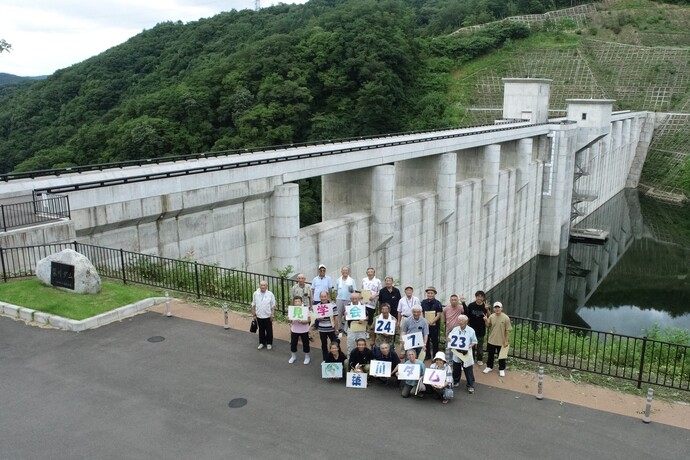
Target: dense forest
{"x": 288, "y": 73}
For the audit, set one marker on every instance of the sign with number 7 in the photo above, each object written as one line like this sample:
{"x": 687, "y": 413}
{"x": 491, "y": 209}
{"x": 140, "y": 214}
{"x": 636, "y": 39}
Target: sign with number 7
{"x": 413, "y": 340}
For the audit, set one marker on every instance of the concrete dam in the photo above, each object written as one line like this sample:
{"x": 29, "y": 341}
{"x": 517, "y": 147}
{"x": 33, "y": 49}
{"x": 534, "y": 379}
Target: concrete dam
{"x": 459, "y": 209}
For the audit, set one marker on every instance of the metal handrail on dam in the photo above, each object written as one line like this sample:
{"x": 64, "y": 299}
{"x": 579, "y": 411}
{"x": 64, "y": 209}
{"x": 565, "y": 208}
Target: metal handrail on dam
{"x": 284, "y": 158}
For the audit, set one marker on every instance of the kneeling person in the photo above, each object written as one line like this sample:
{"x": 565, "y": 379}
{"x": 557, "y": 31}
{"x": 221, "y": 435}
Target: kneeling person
{"x": 360, "y": 357}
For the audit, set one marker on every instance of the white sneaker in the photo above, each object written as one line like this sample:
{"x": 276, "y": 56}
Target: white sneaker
{"x": 292, "y": 359}
{"x": 502, "y": 373}
{"x": 340, "y": 335}
{"x": 487, "y": 370}
{"x": 261, "y": 345}
{"x": 307, "y": 359}
{"x": 268, "y": 347}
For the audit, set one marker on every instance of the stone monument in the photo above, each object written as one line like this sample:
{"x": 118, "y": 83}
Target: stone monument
{"x": 69, "y": 270}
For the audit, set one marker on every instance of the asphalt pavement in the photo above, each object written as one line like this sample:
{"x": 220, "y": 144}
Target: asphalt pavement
{"x": 120, "y": 392}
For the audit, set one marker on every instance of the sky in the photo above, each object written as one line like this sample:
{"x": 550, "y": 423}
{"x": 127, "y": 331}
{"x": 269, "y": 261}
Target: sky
{"x": 47, "y": 35}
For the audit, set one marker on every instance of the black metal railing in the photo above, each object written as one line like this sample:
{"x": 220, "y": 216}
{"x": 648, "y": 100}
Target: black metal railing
{"x": 42, "y": 208}
{"x": 639, "y": 359}
{"x": 201, "y": 280}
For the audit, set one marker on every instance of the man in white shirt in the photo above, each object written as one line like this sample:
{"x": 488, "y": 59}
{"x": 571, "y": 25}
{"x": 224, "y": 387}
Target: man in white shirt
{"x": 406, "y": 304}
{"x": 466, "y": 339}
{"x": 373, "y": 284}
{"x": 384, "y": 328}
{"x": 344, "y": 286}
{"x": 263, "y": 311}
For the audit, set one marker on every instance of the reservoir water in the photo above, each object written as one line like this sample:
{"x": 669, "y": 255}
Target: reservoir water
{"x": 639, "y": 278}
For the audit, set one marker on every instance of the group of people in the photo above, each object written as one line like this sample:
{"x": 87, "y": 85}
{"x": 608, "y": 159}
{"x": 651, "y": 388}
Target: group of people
{"x": 399, "y": 316}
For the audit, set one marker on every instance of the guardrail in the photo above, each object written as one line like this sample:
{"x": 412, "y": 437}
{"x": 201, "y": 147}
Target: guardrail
{"x": 638, "y": 359}
{"x": 43, "y": 208}
{"x": 201, "y": 280}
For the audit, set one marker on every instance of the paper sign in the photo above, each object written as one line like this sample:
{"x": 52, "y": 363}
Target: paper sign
{"x": 413, "y": 340}
{"x": 384, "y": 326}
{"x": 356, "y": 380}
{"x": 380, "y": 368}
{"x": 459, "y": 342}
{"x": 434, "y": 376}
{"x": 298, "y": 313}
{"x": 322, "y": 310}
{"x": 467, "y": 359}
{"x": 409, "y": 371}
{"x": 429, "y": 316}
{"x": 356, "y": 326}
{"x": 366, "y": 295}
{"x": 331, "y": 370}
{"x": 503, "y": 354}
{"x": 355, "y": 312}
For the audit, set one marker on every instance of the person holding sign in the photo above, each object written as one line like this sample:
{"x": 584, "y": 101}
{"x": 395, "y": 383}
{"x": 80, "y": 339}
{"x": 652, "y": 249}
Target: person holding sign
{"x": 384, "y": 327}
{"x": 263, "y": 311}
{"x": 384, "y": 353}
{"x": 432, "y": 309}
{"x": 360, "y": 357}
{"x": 416, "y": 323}
{"x": 461, "y": 340}
{"x": 298, "y": 317}
{"x": 335, "y": 355}
{"x": 442, "y": 381}
{"x": 409, "y": 385}
{"x": 325, "y": 316}
{"x": 372, "y": 284}
{"x": 499, "y": 336}
{"x": 356, "y": 316}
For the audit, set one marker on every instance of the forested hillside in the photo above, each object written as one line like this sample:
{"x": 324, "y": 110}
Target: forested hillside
{"x": 289, "y": 73}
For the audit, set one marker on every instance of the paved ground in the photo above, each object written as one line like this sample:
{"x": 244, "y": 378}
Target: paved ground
{"x": 109, "y": 393}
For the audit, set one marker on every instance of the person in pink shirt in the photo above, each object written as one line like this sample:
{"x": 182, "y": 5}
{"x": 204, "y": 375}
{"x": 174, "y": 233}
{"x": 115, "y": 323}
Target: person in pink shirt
{"x": 452, "y": 311}
{"x": 299, "y": 330}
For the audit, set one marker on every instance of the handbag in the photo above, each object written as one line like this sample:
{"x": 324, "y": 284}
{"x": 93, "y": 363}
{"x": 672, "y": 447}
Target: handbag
{"x": 253, "y": 327}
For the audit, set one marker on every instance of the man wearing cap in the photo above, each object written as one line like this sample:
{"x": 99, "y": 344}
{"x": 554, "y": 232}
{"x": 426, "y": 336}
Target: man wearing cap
{"x": 321, "y": 282}
{"x": 499, "y": 336}
{"x": 467, "y": 341}
{"x": 477, "y": 312}
{"x": 405, "y": 305}
{"x": 373, "y": 285}
{"x": 444, "y": 388}
{"x": 415, "y": 323}
{"x": 432, "y": 309}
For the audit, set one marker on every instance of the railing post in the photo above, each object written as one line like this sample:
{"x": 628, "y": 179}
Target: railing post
{"x": 644, "y": 349}
{"x": 76, "y": 246}
{"x": 2, "y": 260}
{"x": 69, "y": 210}
{"x": 196, "y": 279}
{"x": 122, "y": 266}
{"x": 282, "y": 294}
{"x": 4, "y": 222}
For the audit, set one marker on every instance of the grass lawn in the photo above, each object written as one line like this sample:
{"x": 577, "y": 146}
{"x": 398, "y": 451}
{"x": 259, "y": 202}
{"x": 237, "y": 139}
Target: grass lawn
{"x": 37, "y": 296}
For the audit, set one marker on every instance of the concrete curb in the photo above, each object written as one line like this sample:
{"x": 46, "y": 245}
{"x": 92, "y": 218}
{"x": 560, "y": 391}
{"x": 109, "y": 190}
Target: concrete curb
{"x": 46, "y": 319}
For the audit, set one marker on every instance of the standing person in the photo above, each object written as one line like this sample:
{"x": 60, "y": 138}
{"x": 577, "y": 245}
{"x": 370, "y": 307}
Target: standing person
{"x": 373, "y": 284}
{"x": 468, "y": 340}
{"x": 390, "y": 295}
{"x": 499, "y": 337}
{"x": 444, "y": 389}
{"x": 344, "y": 286}
{"x": 299, "y": 330}
{"x": 353, "y": 336}
{"x": 321, "y": 282}
{"x": 432, "y": 309}
{"x": 415, "y": 323}
{"x": 301, "y": 289}
{"x": 264, "y": 311}
{"x": 405, "y": 306}
{"x": 385, "y": 336}
{"x": 452, "y": 311}
{"x": 477, "y": 312}
{"x": 409, "y": 385}
{"x": 327, "y": 326}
